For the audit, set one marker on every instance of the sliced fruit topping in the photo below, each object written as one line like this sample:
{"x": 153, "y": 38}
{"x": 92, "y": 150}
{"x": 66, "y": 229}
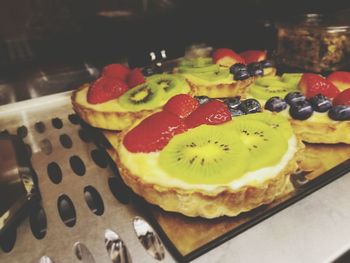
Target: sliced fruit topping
{"x": 293, "y": 97}
{"x": 276, "y": 104}
{"x": 341, "y": 79}
{"x": 339, "y": 113}
{"x": 226, "y": 57}
{"x": 181, "y": 105}
{"x": 105, "y": 89}
{"x": 260, "y": 139}
{"x": 135, "y": 78}
{"x": 205, "y": 155}
{"x": 276, "y": 121}
{"x": 213, "y": 112}
{"x": 343, "y": 98}
{"x": 301, "y": 110}
{"x": 142, "y": 97}
{"x": 210, "y": 76}
{"x": 154, "y": 132}
{"x": 170, "y": 84}
{"x": 312, "y": 84}
{"x": 118, "y": 71}
{"x": 320, "y": 103}
{"x": 197, "y": 65}
{"x": 292, "y": 78}
{"x": 250, "y": 106}
{"x": 251, "y": 56}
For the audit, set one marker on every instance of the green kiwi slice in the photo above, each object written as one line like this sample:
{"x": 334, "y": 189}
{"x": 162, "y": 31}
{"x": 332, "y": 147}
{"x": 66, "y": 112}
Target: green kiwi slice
{"x": 169, "y": 84}
{"x": 197, "y": 65}
{"x": 266, "y": 92}
{"x": 142, "y": 97}
{"x": 276, "y": 121}
{"x": 265, "y": 145}
{"x": 205, "y": 155}
{"x": 214, "y": 75}
{"x": 292, "y": 78}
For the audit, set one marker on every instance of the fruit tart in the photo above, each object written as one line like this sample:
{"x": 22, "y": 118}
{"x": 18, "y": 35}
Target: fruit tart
{"x": 317, "y": 109}
{"x": 226, "y": 73}
{"x": 197, "y": 160}
{"x": 121, "y": 95}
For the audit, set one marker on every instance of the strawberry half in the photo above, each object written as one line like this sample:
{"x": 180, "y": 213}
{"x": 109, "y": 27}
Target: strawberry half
{"x": 135, "y": 78}
{"x": 105, "y": 89}
{"x": 226, "y": 57}
{"x": 118, "y": 71}
{"x": 343, "y": 98}
{"x": 213, "y": 112}
{"x": 341, "y": 79}
{"x": 181, "y": 105}
{"x": 251, "y": 56}
{"x": 154, "y": 132}
{"x": 313, "y": 84}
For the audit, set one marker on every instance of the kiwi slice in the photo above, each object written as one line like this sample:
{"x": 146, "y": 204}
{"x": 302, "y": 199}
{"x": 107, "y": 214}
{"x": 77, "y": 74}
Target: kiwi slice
{"x": 197, "y": 65}
{"x": 292, "y": 78}
{"x": 142, "y": 97}
{"x": 266, "y": 92}
{"x": 265, "y": 145}
{"x": 274, "y": 82}
{"x": 214, "y": 75}
{"x": 169, "y": 84}
{"x": 205, "y": 155}
{"x": 276, "y": 121}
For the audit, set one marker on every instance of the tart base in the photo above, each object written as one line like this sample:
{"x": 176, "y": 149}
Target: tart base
{"x": 205, "y": 204}
{"x": 104, "y": 119}
{"x": 331, "y": 132}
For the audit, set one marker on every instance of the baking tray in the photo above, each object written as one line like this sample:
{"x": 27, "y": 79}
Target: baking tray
{"x": 53, "y": 133}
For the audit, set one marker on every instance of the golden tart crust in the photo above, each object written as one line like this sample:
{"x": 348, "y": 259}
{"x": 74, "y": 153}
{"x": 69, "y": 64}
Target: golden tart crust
{"x": 331, "y": 132}
{"x": 109, "y": 120}
{"x": 196, "y": 202}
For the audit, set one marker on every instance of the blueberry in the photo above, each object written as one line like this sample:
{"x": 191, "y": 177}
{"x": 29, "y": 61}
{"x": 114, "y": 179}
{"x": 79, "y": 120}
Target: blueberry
{"x": 250, "y": 106}
{"x": 202, "y": 99}
{"x": 236, "y": 112}
{"x": 266, "y": 63}
{"x": 275, "y": 104}
{"x": 255, "y": 69}
{"x": 237, "y": 67}
{"x": 293, "y": 97}
{"x": 148, "y": 71}
{"x": 241, "y": 75}
{"x": 339, "y": 113}
{"x": 301, "y": 110}
{"x": 232, "y": 103}
{"x": 320, "y": 103}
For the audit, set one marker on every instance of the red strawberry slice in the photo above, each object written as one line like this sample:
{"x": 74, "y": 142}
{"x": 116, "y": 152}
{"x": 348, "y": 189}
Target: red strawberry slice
{"x": 341, "y": 79}
{"x": 105, "y": 89}
{"x": 154, "y": 132}
{"x": 213, "y": 112}
{"x": 251, "y": 56}
{"x": 118, "y": 71}
{"x": 343, "y": 98}
{"x": 226, "y": 57}
{"x": 135, "y": 78}
{"x": 181, "y": 105}
{"x": 313, "y": 84}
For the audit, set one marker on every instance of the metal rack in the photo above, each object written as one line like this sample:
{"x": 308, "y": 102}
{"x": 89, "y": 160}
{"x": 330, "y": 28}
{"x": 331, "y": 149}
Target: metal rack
{"x": 85, "y": 214}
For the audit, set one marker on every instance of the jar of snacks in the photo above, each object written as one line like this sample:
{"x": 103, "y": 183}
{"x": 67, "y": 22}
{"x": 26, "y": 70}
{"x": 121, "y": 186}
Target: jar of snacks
{"x": 314, "y": 42}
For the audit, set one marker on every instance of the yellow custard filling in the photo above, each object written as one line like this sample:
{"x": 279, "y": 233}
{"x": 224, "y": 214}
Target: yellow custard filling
{"x": 146, "y": 166}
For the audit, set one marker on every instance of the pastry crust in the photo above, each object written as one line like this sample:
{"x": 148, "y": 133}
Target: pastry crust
{"x": 196, "y": 202}
{"x": 108, "y": 120}
{"x": 324, "y": 132}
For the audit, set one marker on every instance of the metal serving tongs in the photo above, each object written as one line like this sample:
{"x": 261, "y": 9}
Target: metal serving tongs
{"x": 17, "y": 181}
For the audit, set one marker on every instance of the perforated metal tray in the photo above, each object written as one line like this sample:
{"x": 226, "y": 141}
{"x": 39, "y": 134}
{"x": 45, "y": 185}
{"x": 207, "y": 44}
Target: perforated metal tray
{"x": 85, "y": 214}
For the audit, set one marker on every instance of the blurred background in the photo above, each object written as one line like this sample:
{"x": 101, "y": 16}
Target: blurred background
{"x": 41, "y": 38}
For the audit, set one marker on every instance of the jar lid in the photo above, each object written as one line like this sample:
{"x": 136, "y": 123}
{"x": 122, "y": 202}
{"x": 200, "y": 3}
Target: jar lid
{"x": 328, "y": 22}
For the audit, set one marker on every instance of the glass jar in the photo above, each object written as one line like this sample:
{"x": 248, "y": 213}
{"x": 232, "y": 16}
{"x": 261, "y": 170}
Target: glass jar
{"x": 314, "y": 42}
